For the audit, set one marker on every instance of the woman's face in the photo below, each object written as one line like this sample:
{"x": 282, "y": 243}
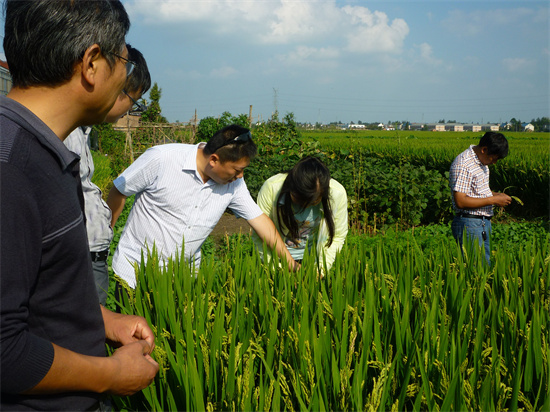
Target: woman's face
{"x": 297, "y": 201}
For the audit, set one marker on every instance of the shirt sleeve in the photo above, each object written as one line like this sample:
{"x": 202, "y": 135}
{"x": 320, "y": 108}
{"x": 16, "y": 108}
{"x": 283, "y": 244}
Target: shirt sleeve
{"x": 25, "y": 357}
{"x": 141, "y": 174}
{"x": 339, "y": 206}
{"x": 460, "y": 179}
{"x": 242, "y": 203}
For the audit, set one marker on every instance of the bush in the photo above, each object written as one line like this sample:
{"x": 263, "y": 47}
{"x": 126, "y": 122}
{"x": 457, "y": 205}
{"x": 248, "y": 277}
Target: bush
{"x": 210, "y": 125}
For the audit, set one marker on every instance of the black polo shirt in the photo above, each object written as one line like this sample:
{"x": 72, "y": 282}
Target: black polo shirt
{"x": 47, "y": 287}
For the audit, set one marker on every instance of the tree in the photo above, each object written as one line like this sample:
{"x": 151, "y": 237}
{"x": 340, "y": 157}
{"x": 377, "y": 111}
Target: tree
{"x": 153, "y": 112}
{"x": 516, "y": 124}
{"x": 541, "y": 124}
{"x": 210, "y": 125}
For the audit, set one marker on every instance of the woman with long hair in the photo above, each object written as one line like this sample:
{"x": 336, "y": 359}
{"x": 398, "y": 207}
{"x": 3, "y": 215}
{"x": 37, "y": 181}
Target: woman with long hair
{"x": 308, "y": 208}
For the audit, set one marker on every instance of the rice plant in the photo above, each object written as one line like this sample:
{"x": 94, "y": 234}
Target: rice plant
{"x": 389, "y": 328}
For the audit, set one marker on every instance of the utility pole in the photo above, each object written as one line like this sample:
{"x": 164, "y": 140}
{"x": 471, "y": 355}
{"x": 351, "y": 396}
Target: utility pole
{"x": 275, "y": 103}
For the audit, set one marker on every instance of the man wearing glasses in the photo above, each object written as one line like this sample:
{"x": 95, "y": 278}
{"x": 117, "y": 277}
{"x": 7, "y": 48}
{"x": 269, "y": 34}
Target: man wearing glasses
{"x": 67, "y": 61}
{"x": 181, "y": 192}
{"x": 98, "y": 214}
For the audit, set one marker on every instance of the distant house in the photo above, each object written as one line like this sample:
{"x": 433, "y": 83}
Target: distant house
{"x": 128, "y": 122}
{"x": 5, "y": 78}
{"x": 454, "y": 127}
{"x": 472, "y": 127}
{"x": 356, "y": 126}
{"x": 490, "y": 127}
{"x": 527, "y": 127}
{"x": 436, "y": 127}
{"x": 416, "y": 126}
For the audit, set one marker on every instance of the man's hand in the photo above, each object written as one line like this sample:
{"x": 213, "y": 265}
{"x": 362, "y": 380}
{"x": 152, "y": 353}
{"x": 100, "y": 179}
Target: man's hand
{"x": 129, "y": 370}
{"x": 501, "y": 199}
{"x": 134, "y": 369}
{"x": 122, "y": 330}
{"x": 266, "y": 230}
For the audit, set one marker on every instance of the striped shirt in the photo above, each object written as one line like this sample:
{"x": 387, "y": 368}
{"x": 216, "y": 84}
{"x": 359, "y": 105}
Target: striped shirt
{"x": 173, "y": 206}
{"x": 469, "y": 176}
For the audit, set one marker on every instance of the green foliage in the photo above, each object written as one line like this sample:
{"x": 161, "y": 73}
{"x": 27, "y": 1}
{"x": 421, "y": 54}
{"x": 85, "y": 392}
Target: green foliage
{"x": 153, "y": 112}
{"x": 395, "y": 325}
{"x": 210, "y": 125}
{"x": 280, "y": 146}
{"x": 103, "y": 175}
{"x": 113, "y": 143}
{"x": 392, "y": 178}
{"x": 524, "y": 173}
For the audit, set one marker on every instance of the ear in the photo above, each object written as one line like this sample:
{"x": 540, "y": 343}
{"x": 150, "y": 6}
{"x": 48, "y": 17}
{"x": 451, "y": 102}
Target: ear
{"x": 213, "y": 159}
{"x": 90, "y": 66}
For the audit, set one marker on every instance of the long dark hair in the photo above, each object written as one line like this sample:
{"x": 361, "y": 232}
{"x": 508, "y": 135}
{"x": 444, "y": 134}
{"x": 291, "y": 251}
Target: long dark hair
{"x": 308, "y": 179}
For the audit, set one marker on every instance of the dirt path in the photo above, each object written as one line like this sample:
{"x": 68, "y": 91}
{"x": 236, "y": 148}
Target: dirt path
{"x": 229, "y": 224}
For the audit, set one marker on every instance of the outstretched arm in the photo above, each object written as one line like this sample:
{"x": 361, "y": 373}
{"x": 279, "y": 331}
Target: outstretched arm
{"x": 266, "y": 230}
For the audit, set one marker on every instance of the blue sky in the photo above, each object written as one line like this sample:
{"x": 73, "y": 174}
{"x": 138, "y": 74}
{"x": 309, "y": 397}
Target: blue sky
{"x": 327, "y": 60}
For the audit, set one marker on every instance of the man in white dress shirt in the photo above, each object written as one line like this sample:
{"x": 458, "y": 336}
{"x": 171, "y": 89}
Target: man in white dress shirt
{"x": 98, "y": 214}
{"x": 181, "y": 191}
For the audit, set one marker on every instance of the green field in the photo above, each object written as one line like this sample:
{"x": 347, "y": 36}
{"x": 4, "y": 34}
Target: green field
{"x": 524, "y": 174}
{"x": 403, "y": 321}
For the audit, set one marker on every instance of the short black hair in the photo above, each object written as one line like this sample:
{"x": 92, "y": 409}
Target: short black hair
{"x": 224, "y": 144}
{"x": 139, "y": 80}
{"x": 495, "y": 143}
{"x": 44, "y": 39}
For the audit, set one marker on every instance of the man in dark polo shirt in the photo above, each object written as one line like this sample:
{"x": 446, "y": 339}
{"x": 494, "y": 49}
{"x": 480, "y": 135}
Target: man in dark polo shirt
{"x": 68, "y": 62}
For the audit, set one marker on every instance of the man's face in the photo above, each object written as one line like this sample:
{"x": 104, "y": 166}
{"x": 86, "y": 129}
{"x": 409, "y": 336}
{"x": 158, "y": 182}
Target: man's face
{"x": 227, "y": 172}
{"x": 112, "y": 81}
{"x": 122, "y": 105}
{"x": 487, "y": 159}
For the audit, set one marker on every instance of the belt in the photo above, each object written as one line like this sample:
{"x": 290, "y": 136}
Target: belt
{"x": 469, "y": 216}
{"x": 100, "y": 256}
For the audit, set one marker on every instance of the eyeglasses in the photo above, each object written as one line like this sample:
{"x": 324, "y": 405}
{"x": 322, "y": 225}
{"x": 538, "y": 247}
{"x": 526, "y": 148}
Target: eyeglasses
{"x": 130, "y": 65}
{"x": 137, "y": 107}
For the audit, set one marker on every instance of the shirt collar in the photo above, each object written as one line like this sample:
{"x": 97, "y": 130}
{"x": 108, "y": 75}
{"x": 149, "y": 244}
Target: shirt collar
{"x": 473, "y": 154}
{"x": 30, "y": 122}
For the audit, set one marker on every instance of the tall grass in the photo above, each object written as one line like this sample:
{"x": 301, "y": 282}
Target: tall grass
{"x": 394, "y": 328}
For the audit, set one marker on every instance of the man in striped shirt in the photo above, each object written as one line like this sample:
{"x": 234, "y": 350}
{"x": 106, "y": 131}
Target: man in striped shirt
{"x": 472, "y": 198}
{"x": 181, "y": 191}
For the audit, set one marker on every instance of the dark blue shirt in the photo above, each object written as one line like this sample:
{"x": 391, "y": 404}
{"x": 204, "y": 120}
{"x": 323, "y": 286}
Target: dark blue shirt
{"x": 47, "y": 289}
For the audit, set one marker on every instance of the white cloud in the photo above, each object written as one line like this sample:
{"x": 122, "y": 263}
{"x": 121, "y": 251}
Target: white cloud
{"x": 373, "y": 33}
{"x": 221, "y": 12}
{"x": 312, "y": 23}
{"x": 426, "y": 54}
{"x": 518, "y": 65}
{"x": 298, "y": 21}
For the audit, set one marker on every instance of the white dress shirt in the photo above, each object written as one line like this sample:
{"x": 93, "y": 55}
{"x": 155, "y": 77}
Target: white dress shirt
{"x": 173, "y": 206}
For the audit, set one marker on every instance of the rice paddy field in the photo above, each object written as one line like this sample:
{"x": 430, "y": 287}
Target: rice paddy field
{"x": 402, "y": 322}
{"x": 405, "y": 320}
